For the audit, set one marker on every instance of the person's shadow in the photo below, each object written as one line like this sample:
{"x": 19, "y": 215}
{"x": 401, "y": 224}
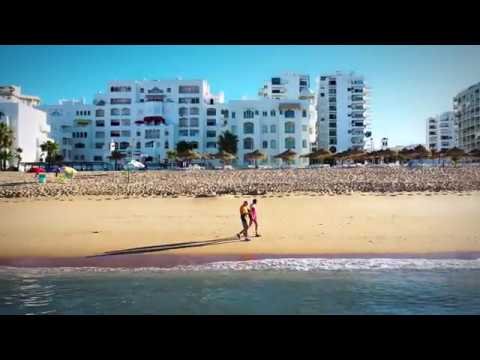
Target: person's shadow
{"x": 173, "y": 246}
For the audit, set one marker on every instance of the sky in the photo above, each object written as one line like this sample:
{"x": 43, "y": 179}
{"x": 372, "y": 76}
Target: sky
{"x": 407, "y": 83}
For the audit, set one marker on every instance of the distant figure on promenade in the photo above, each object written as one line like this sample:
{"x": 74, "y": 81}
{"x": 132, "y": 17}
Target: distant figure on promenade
{"x": 253, "y": 217}
{"x": 244, "y": 212}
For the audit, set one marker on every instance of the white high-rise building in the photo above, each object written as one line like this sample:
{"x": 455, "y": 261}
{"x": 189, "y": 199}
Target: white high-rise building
{"x": 29, "y": 124}
{"x": 342, "y": 112}
{"x": 441, "y": 132}
{"x": 467, "y": 112}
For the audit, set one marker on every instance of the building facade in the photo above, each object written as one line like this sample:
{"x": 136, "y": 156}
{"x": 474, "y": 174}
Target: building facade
{"x": 146, "y": 119}
{"x": 442, "y": 132}
{"x": 142, "y": 119}
{"x": 466, "y": 106}
{"x": 28, "y": 123}
{"x": 342, "y": 110}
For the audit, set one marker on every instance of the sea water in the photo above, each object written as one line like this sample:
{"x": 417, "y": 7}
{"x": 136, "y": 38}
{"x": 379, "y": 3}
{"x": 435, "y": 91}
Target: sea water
{"x": 270, "y": 286}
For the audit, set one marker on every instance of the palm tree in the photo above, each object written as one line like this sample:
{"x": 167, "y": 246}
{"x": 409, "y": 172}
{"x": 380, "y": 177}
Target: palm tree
{"x": 6, "y": 142}
{"x": 52, "y": 149}
{"x": 115, "y": 156}
{"x": 227, "y": 142}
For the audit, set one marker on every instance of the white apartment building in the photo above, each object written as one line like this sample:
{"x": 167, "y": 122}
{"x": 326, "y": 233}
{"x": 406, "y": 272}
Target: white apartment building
{"x": 71, "y": 123}
{"x": 342, "y": 105}
{"x": 282, "y": 118}
{"x": 467, "y": 113}
{"x": 143, "y": 119}
{"x": 29, "y": 124}
{"x": 441, "y": 132}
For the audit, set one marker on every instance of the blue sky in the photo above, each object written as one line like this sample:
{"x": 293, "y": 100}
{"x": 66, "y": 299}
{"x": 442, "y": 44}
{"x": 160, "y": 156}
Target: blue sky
{"x": 408, "y": 83}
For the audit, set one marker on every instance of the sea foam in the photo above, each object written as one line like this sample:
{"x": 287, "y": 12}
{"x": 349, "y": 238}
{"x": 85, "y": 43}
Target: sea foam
{"x": 280, "y": 264}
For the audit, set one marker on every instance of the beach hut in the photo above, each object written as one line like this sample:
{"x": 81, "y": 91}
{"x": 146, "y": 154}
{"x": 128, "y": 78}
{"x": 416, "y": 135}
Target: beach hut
{"x": 255, "y": 156}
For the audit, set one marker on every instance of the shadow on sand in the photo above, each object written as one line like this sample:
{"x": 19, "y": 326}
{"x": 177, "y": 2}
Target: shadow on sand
{"x": 147, "y": 249}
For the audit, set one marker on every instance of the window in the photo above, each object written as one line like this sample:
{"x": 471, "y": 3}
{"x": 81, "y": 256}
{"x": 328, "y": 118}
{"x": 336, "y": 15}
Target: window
{"x": 125, "y": 111}
{"x": 100, "y": 113}
{"x": 169, "y": 90}
{"x": 211, "y": 112}
{"x": 194, "y": 111}
{"x": 99, "y": 135}
{"x": 332, "y": 141}
{"x": 166, "y": 132}
{"x": 188, "y": 89}
{"x": 100, "y": 123}
{"x": 304, "y": 128}
{"x": 332, "y": 116}
{"x": 265, "y": 113}
{"x": 332, "y": 91}
{"x": 194, "y": 132}
{"x": 248, "y": 114}
{"x": 265, "y": 144}
{"x": 224, "y": 113}
{"x": 194, "y": 144}
{"x": 290, "y": 113}
{"x": 211, "y": 133}
{"x": 194, "y": 122}
{"x": 264, "y": 129}
{"x": 248, "y": 128}
{"x": 248, "y": 143}
{"x": 182, "y": 132}
{"x": 97, "y": 158}
{"x": 322, "y": 94}
{"x": 332, "y": 108}
{"x": 333, "y": 125}
{"x": 233, "y": 114}
{"x": 276, "y": 91}
{"x": 273, "y": 129}
{"x": 290, "y": 143}
{"x": 304, "y": 144}
{"x": 138, "y": 145}
{"x": 289, "y": 127}
{"x": 211, "y": 145}
{"x": 211, "y": 101}
{"x": 211, "y": 122}
{"x": 183, "y": 122}
{"x": 79, "y": 146}
{"x": 124, "y": 145}
{"x": 114, "y": 122}
{"x": 114, "y": 133}
{"x": 126, "y": 133}
{"x": 234, "y": 129}
{"x": 125, "y": 122}
{"x": 120, "y": 89}
{"x": 273, "y": 144}
{"x": 332, "y": 82}
{"x": 149, "y": 144}
{"x": 189, "y": 100}
{"x": 114, "y": 112}
{"x": 121, "y": 101}
{"x": 166, "y": 145}
{"x": 182, "y": 111}
{"x": 304, "y": 113}
{"x": 139, "y": 133}
{"x": 152, "y": 134}
{"x": 272, "y": 113}
{"x": 100, "y": 103}
{"x": 333, "y": 132}
{"x": 276, "y": 81}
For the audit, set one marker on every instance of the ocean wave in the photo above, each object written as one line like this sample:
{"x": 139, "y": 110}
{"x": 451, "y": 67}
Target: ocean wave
{"x": 281, "y": 264}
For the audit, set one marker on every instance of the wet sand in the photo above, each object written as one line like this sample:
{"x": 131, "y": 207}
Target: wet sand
{"x": 64, "y": 232}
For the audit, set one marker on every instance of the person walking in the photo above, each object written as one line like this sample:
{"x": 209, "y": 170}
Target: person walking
{"x": 244, "y": 212}
{"x": 253, "y": 217}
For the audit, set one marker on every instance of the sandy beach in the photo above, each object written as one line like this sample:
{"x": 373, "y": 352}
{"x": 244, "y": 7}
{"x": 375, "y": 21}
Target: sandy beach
{"x": 291, "y": 225}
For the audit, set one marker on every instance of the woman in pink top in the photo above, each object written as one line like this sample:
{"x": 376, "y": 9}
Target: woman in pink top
{"x": 253, "y": 216}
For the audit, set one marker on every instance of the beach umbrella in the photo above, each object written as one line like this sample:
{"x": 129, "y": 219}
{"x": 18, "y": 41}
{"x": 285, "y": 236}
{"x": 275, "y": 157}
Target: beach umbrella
{"x": 189, "y": 155}
{"x": 69, "y": 171}
{"x": 134, "y": 164}
{"x": 455, "y": 154}
{"x": 224, "y": 156}
{"x": 475, "y": 153}
{"x": 37, "y": 170}
{"x": 319, "y": 154}
{"x": 255, "y": 156}
{"x": 288, "y": 155}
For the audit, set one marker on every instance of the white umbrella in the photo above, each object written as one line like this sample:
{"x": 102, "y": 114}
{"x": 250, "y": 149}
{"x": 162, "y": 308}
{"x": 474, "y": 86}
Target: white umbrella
{"x": 134, "y": 164}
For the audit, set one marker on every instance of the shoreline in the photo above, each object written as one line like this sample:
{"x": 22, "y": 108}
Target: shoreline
{"x": 170, "y": 261}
